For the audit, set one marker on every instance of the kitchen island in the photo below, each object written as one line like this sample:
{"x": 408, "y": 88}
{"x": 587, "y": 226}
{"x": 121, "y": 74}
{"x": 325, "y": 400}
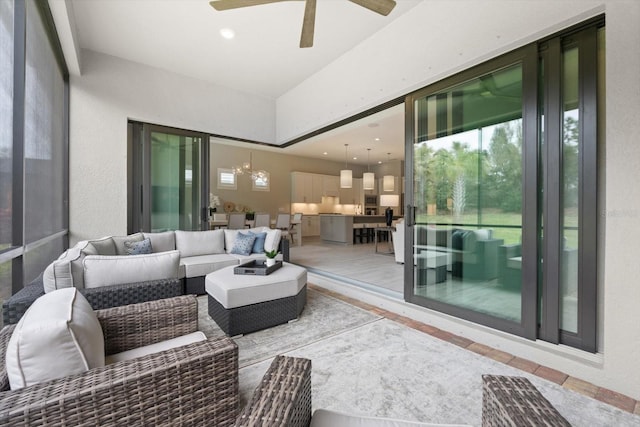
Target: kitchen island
{"x": 338, "y": 228}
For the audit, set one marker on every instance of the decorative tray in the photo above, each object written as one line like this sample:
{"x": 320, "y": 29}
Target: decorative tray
{"x": 257, "y": 267}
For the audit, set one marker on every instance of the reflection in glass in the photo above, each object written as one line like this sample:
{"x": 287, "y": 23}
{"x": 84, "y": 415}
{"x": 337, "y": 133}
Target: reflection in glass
{"x": 5, "y": 283}
{"x": 570, "y": 193}
{"x": 175, "y": 182}
{"x": 468, "y": 195}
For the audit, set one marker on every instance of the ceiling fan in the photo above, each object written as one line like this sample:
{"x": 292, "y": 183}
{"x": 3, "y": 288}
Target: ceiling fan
{"x": 383, "y": 7}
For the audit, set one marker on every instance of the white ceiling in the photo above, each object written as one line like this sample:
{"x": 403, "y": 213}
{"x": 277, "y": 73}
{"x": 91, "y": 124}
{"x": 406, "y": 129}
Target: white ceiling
{"x": 183, "y": 36}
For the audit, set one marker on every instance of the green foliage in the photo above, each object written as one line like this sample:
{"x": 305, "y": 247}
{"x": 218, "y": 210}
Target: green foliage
{"x": 271, "y": 254}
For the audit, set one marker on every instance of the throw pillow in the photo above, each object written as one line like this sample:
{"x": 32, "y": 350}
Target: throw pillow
{"x": 243, "y": 244}
{"x": 258, "y": 244}
{"x": 59, "y": 335}
{"x": 138, "y": 248}
{"x": 118, "y": 241}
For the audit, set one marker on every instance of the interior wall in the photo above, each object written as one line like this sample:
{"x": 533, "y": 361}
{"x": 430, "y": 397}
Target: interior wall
{"x": 108, "y": 93}
{"x": 279, "y": 166}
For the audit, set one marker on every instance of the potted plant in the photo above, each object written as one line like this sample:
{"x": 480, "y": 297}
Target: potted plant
{"x": 271, "y": 257}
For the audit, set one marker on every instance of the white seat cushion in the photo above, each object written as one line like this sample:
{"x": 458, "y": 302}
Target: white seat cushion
{"x": 237, "y": 290}
{"x": 59, "y": 335}
{"x": 157, "y": 347}
{"x": 201, "y": 265}
{"x": 326, "y": 418}
{"x": 162, "y": 242}
{"x": 193, "y": 243}
{"x": 103, "y": 270}
{"x": 515, "y": 262}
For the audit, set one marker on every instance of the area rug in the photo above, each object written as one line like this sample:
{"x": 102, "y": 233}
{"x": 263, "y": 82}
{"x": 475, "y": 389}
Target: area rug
{"x": 386, "y": 369}
{"x": 321, "y": 318}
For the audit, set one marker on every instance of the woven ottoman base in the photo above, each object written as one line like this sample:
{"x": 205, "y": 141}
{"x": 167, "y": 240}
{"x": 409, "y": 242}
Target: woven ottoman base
{"x": 262, "y": 315}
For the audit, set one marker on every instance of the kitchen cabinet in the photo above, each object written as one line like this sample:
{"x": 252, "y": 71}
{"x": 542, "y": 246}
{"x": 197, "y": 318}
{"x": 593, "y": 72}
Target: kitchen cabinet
{"x": 336, "y": 228}
{"x": 331, "y": 185}
{"x": 306, "y": 187}
{"x": 353, "y": 195}
{"x": 310, "y": 225}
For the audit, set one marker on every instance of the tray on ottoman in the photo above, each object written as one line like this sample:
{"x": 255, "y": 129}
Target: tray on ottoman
{"x": 257, "y": 267}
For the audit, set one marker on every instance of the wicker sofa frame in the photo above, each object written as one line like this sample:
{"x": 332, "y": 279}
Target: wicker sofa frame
{"x": 254, "y": 317}
{"x": 100, "y": 298}
{"x": 196, "y": 384}
{"x": 514, "y": 401}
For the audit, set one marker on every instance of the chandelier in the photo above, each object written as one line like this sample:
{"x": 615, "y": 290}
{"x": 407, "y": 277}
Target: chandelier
{"x": 247, "y": 168}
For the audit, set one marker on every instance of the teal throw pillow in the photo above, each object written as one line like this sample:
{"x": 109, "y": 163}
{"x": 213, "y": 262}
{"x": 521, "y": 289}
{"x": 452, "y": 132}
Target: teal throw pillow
{"x": 258, "y": 244}
{"x": 138, "y": 248}
{"x": 243, "y": 244}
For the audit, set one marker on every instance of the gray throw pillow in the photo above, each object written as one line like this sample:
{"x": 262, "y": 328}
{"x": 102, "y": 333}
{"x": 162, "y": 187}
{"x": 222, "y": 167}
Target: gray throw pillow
{"x": 138, "y": 248}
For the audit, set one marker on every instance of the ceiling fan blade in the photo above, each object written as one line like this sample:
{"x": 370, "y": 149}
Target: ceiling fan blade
{"x": 383, "y": 7}
{"x": 308, "y": 24}
{"x": 235, "y": 4}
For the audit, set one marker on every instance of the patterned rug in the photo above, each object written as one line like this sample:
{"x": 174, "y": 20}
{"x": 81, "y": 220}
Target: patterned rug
{"x": 321, "y": 318}
{"x": 365, "y": 364}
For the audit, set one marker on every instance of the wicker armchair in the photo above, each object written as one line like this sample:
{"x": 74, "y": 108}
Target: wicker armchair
{"x": 195, "y": 384}
{"x": 99, "y": 297}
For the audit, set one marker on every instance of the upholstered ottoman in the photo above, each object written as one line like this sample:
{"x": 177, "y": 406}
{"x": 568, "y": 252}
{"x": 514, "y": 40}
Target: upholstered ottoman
{"x": 431, "y": 267}
{"x": 240, "y": 304}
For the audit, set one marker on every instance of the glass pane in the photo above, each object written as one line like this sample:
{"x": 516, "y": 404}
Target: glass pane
{"x": 5, "y": 283}
{"x": 175, "y": 182}
{"x": 468, "y": 195}
{"x": 43, "y": 134}
{"x": 36, "y": 260}
{"x": 570, "y": 196}
{"x": 6, "y": 125}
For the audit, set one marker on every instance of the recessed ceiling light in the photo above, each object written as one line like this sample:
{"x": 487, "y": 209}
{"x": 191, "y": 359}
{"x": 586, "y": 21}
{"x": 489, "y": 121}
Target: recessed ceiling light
{"x": 325, "y": 153}
{"x": 379, "y": 162}
{"x": 376, "y": 139}
{"x": 355, "y": 158}
{"x": 227, "y": 33}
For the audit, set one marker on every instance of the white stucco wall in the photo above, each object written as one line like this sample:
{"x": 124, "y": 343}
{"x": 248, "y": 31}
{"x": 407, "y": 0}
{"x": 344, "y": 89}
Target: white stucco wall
{"x": 111, "y": 91}
{"x": 435, "y": 39}
{"x": 421, "y": 48}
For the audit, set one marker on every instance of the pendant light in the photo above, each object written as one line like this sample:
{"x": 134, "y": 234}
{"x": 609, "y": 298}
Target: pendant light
{"x": 388, "y": 181}
{"x": 368, "y": 178}
{"x": 346, "y": 175}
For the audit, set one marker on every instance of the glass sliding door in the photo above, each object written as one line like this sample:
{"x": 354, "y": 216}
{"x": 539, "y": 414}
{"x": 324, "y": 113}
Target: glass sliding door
{"x": 468, "y": 195}
{"x": 502, "y": 214}
{"x": 170, "y": 174}
{"x": 175, "y": 182}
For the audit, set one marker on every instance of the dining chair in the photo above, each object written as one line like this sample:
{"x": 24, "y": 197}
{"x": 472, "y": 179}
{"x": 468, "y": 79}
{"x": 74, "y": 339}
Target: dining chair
{"x": 295, "y": 228}
{"x": 263, "y": 219}
{"x": 218, "y": 220}
{"x": 283, "y": 223}
{"x": 236, "y": 221}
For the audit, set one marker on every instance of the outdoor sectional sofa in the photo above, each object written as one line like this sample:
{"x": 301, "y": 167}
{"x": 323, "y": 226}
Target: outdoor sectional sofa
{"x": 110, "y": 272}
{"x": 472, "y": 254}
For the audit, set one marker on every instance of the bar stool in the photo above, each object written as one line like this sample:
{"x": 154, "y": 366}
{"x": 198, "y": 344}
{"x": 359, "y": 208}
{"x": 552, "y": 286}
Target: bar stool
{"x": 358, "y": 230}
